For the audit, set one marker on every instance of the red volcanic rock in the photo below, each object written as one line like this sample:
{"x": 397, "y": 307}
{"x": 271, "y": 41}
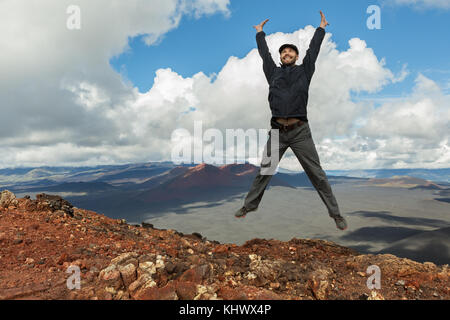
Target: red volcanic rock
{"x": 110, "y": 277}
{"x": 149, "y": 263}
{"x": 196, "y": 274}
{"x": 53, "y": 203}
{"x": 232, "y": 293}
{"x": 221, "y": 250}
{"x": 128, "y": 273}
{"x": 186, "y": 290}
{"x": 168, "y": 292}
{"x": 7, "y": 198}
{"x": 62, "y": 258}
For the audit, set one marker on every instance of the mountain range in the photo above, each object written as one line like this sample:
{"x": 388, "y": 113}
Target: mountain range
{"x": 157, "y": 186}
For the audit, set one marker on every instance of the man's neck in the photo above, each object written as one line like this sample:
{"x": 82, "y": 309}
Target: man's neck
{"x": 287, "y": 65}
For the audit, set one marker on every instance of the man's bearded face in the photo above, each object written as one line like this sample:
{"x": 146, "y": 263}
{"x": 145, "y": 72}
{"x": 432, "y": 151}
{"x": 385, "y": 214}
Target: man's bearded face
{"x": 288, "y": 56}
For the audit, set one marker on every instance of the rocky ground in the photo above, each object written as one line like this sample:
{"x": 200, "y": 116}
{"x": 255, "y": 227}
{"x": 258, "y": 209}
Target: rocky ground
{"x": 40, "y": 239}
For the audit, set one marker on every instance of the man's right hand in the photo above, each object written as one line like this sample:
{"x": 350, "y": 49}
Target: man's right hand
{"x": 260, "y": 26}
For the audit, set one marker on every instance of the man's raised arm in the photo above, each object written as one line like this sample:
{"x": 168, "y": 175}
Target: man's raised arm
{"x": 269, "y": 65}
{"x": 314, "y": 47}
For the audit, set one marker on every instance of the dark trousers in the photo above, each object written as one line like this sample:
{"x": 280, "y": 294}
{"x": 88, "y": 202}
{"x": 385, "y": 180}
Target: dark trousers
{"x": 302, "y": 144}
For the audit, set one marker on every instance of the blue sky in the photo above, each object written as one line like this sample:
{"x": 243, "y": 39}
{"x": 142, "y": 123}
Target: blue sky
{"x": 418, "y": 38}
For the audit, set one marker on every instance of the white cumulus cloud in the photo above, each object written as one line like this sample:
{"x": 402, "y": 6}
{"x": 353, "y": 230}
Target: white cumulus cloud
{"x": 63, "y": 104}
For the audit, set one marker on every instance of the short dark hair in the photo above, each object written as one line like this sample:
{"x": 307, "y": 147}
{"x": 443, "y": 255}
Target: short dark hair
{"x": 288, "y": 45}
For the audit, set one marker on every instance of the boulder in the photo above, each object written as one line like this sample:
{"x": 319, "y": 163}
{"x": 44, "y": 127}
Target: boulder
{"x": 54, "y": 203}
{"x": 7, "y": 198}
{"x": 196, "y": 274}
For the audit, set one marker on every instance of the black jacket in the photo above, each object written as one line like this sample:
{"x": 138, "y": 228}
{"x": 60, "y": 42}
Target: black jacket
{"x": 289, "y": 85}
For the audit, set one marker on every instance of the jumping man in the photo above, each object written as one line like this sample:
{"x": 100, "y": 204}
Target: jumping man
{"x": 288, "y": 98}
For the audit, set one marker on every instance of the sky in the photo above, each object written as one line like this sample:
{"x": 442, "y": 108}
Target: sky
{"x": 114, "y": 90}
{"x": 209, "y": 42}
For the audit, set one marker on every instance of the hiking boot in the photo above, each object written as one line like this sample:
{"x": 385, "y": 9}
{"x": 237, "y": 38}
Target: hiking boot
{"x": 242, "y": 212}
{"x": 340, "y": 222}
